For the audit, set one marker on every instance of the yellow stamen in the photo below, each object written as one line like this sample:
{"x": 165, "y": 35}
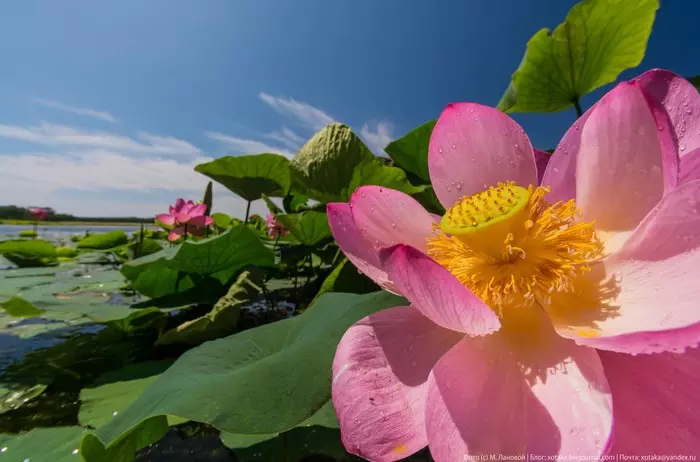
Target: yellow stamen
{"x": 522, "y": 248}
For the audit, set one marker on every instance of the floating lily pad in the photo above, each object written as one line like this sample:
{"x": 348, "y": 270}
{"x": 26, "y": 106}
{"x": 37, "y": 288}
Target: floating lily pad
{"x": 20, "y": 308}
{"x": 29, "y": 253}
{"x": 103, "y": 241}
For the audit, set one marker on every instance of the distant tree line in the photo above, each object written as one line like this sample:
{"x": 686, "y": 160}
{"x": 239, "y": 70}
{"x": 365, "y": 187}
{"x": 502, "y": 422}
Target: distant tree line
{"x": 12, "y": 212}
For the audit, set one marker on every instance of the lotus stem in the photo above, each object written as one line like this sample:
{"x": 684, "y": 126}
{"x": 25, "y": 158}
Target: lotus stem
{"x": 247, "y": 213}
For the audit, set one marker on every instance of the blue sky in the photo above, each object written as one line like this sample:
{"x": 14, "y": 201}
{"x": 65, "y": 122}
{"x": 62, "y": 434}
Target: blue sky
{"x": 105, "y": 107}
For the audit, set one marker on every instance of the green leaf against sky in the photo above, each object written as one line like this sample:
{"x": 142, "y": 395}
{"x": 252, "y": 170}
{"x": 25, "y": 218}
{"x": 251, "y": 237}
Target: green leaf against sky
{"x": 251, "y": 176}
{"x": 695, "y": 81}
{"x": 597, "y": 40}
{"x": 208, "y": 199}
{"x": 335, "y": 162}
{"x": 411, "y": 150}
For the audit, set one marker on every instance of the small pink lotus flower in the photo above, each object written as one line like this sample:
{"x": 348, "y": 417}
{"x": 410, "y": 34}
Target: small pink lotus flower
{"x": 38, "y": 214}
{"x": 184, "y": 218}
{"x": 274, "y": 228}
{"x": 557, "y": 320}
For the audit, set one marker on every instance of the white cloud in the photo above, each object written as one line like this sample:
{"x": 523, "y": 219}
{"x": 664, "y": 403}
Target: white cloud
{"x": 247, "y": 146}
{"x": 378, "y": 137}
{"x": 309, "y": 115}
{"x": 288, "y": 138}
{"x": 63, "y": 135}
{"x": 39, "y": 178}
{"x": 76, "y": 110}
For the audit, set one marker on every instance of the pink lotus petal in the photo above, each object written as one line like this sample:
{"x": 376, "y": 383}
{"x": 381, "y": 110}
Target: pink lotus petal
{"x": 560, "y": 173}
{"x": 379, "y": 382}
{"x": 541, "y": 161}
{"x": 562, "y": 168}
{"x": 358, "y": 250}
{"x": 473, "y": 147}
{"x": 176, "y": 233}
{"x": 38, "y": 213}
{"x": 619, "y": 166}
{"x": 437, "y": 294}
{"x": 689, "y": 167}
{"x": 199, "y": 221}
{"x": 183, "y": 217}
{"x": 491, "y": 395}
{"x": 166, "y": 219}
{"x": 386, "y": 217}
{"x": 667, "y": 141}
{"x": 655, "y": 402}
{"x": 198, "y": 210}
{"x": 177, "y": 208}
{"x": 208, "y": 221}
{"x": 656, "y": 292}
{"x": 680, "y": 100}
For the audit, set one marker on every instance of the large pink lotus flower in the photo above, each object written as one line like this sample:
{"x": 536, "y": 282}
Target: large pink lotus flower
{"x": 184, "y": 218}
{"x": 38, "y": 214}
{"x": 275, "y": 229}
{"x": 587, "y": 288}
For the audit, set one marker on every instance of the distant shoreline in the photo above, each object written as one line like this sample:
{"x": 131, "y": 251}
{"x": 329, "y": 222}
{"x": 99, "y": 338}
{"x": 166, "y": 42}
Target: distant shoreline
{"x": 42, "y": 224}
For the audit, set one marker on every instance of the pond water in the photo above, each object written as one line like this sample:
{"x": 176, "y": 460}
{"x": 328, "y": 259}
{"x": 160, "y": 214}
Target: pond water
{"x": 64, "y": 231}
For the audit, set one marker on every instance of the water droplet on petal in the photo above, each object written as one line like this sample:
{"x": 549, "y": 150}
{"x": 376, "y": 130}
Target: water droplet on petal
{"x": 682, "y": 147}
{"x": 454, "y": 146}
{"x": 440, "y": 150}
{"x": 363, "y": 194}
{"x": 661, "y": 128}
